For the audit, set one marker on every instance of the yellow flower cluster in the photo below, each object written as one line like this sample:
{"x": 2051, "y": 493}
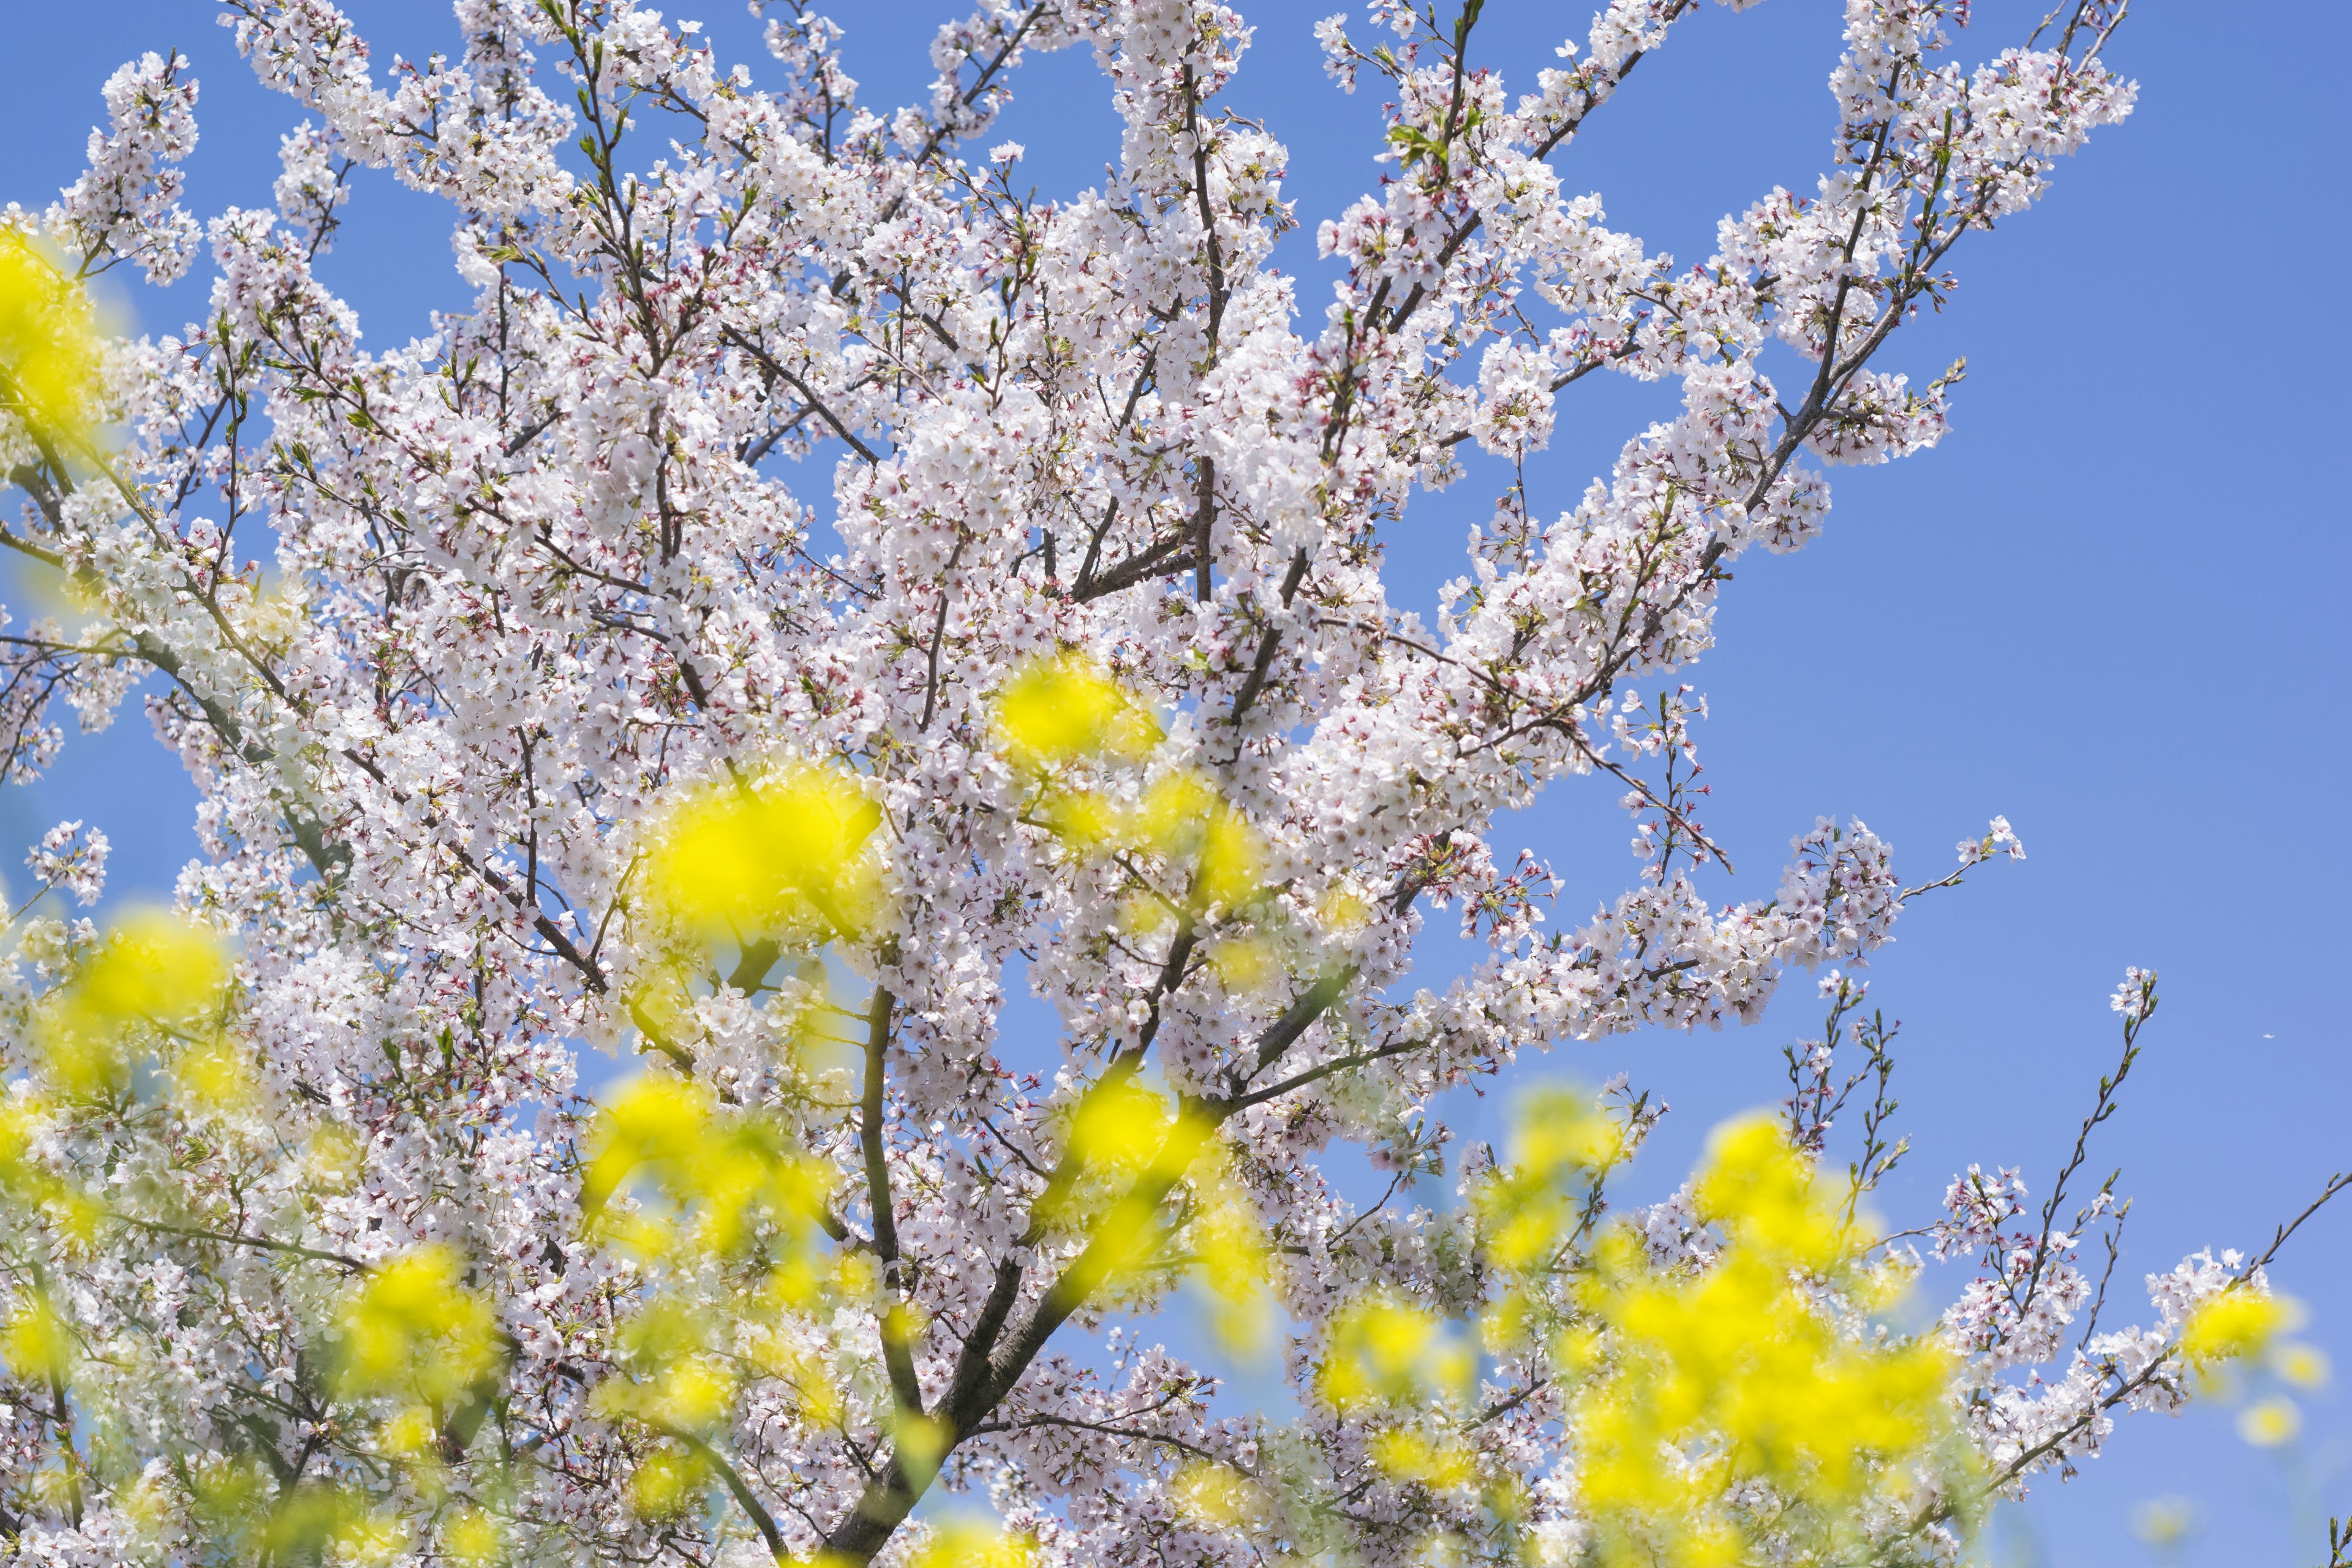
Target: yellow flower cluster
{"x": 1721, "y": 1408}
{"x": 36, "y": 1342}
{"x": 2239, "y": 1329}
{"x": 2236, "y": 1325}
{"x": 1060, "y": 723}
{"x": 153, "y": 978}
{"x": 789, "y": 857}
{"x": 971, "y": 1543}
{"x": 1057, "y": 712}
{"x": 27, "y": 1182}
{"x": 1115, "y": 1134}
{"x": 1220, "y": 1497}
{"x": 1531, "y": 1209}
{"x": 412, "y": 1330}
{"x": 720, "y": 1183}
{"x": 1385, "y": 1353}
{"x": 722, "y": 1170}
{"x": 49, "y": 338}
{"x": 247, "y": 1517}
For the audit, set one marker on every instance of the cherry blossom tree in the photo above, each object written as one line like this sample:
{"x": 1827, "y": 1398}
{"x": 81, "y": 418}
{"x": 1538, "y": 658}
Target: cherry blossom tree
{"x": 542, "y": 699}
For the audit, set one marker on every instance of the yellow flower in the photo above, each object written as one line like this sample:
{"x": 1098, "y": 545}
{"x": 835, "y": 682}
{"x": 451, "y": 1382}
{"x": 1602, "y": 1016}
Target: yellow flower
{"x": 412, "y": 1327}
{"x": 313, "y": 1518}
{"x": 970, "y": 1544}
{"x": 1529, "y": 1209}
{"x": 49, "y": 336}
{"x": 36, "y": 1342}
{"x": 1406, "y": 1456}
{"x": 719, "y": 1169}
{"x": 23, "y": 1120}
{"x": 1698, "y": 1387}
{"x": 2236, "y": 1323}
{"x": 409, "y": 1434}
{"x": 1119, "y": 1125}
{"x": 1060, "y": 711}
{"x": 2270, "y": 1423}
{"x": 471, "y": 1537}
{"x": 1216, "y": 1495}
{"x": 1383, "y": 1352}
{"x": 694, "y": 1394}
{"x": 212, "y": 1077}
{"x": 151, "y": 971}
{"x": 2164, "y": 1521}
{"x": 2300, "y": 1366}
{"x": 1064, "y": 710}
{"x": 1229, "y": 1244}
{"x": 918, "y": 1442}
{"x": 1763, "y": 1193}
{"x": 666, "y": 1485}
{"x": 788, "y": 854}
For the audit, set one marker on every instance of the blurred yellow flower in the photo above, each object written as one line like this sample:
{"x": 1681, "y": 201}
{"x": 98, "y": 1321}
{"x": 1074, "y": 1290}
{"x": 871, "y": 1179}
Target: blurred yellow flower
{"x": 721, "y": 1170}
{"x": 471, "y": 1537}
{"x": 789, "y": 855}
{"x": 666, "y": 1485}
{"x": 2270, "y": 1421}
{"x": 413, "y": 1328}
{"x": 1118, "y": 1126}
{"x": 2236, "y": 1323}
{"x": 1058, "y": 711}
{"x": 2164, "y": 1521}
{"x": 1217, "y": 1495}
{"x": 2300, "y": 1366}
{"x": 313, "y": 1519}
{"x": 970, "y": 1544}
{"x": 36, "y": 1342}
{"x": 1387, "y": 1352}
{"x": 1407, "y": 1456}
{"x": 1065, "y": 709}
{"x": 1529, "y": 1209}
{"x": 1233, "y": 1254}
{"x": 1700, "y": 1386}
{"x": 50, "y": 344}
{"x": 151, "y": 971}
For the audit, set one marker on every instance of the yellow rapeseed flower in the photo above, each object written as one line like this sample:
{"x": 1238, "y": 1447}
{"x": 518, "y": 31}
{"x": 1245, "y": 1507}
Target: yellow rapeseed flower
{"x": 1763, "y": 1194}
{"x": 152, "y": 971}
{"x": 1698, "y": 1388}
{"x": 1235, "y": 1258}
{"x": 666, "y": 1485}
{"x": 2270, "y": 1421}
{"x": 36, "y": 1341}
{"x": 212, "y": 1077}
{"x": 1383, "y": 1352}
{"x": 2164, "y": 1521}
{"x": 313, "y": 1519}
{"x": 49, "y": 338}
{"x": 2234, "y": 1324}
{"x": 971, "y": 1543}
{"x": 720, "y": 1169}
{"x": 789, "y": 855}
{"x": 2301, "y": 1366}
{"x": 1404, "y": 1455}
{"x": 1217, "y": 1495}
{"x": 1059, "y": 711}
{"x": 1118, "y": 1126}
{"x": 23, "y": 1120}
{"x": 1529, "y": 1209}
{"x": 413, "y": 1328}
{"x": 472, "y": 1538}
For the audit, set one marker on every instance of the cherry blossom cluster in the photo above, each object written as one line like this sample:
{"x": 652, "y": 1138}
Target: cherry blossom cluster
{"x": 998, "y": 583}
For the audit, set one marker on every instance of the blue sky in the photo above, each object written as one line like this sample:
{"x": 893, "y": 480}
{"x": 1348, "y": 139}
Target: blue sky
{"x": 2108, "y": 606}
